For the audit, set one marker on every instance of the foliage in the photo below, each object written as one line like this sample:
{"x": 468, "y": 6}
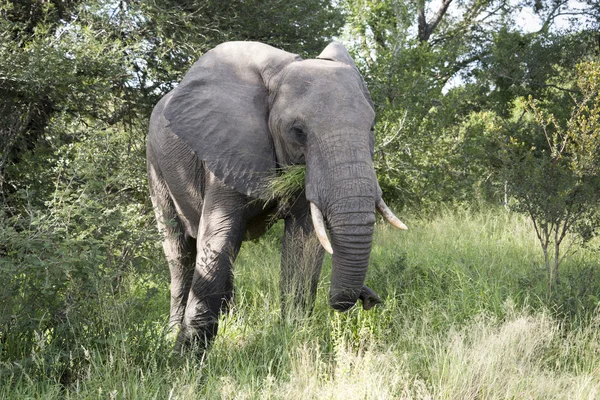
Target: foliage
{"x": 410, "y": 53}
{"x": 61, "y": 263}
{"x": 553, "y": 170}
{"x": 106, "y": 63}
{"x": 429, "y": 89}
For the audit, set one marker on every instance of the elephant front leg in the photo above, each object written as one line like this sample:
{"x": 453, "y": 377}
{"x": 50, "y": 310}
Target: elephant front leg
{"x": 219, "y": 239}
{"x": 301, "y": 261}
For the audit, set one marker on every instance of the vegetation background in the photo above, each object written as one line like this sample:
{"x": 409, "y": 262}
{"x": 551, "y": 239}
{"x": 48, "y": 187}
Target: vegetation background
{"x": 488, "y": 143}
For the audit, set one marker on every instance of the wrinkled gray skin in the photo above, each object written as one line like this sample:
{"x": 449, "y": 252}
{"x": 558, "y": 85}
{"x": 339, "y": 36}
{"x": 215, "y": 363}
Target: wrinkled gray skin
{"x": 243, "y": 110}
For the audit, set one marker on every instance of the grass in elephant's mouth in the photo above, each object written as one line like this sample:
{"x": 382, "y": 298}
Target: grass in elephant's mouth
{"x": 287, "y": 184}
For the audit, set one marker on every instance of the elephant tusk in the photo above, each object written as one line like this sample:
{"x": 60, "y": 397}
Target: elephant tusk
{"x": 319, "y": 224}
{"x": 385, "y": 211}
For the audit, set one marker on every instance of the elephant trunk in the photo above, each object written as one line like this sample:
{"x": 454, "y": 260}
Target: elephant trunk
{"x": 350, "y": 213}
{"x": 341, "y": 183}
{"x": 351, "y": 229}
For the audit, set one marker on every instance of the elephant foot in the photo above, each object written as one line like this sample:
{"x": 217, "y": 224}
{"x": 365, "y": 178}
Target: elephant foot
{"x": 195, "y": 340}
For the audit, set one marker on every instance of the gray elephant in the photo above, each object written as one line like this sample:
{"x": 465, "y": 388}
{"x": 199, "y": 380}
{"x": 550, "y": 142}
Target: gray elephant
{"x": 243, "y": 111}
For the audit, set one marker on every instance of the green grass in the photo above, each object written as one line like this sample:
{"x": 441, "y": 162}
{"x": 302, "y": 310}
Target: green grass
{"x": 287, "y": 183}
{"x": 465, "y": 316}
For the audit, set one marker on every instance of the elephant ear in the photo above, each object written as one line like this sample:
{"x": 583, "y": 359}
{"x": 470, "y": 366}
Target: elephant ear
{"x": 220, "y": 110}
{"x": 336, "y": 51}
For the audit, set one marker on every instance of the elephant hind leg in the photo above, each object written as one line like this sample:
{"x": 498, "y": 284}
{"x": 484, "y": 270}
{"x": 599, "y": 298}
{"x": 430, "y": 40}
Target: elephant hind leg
{"x": 179, "y": 248}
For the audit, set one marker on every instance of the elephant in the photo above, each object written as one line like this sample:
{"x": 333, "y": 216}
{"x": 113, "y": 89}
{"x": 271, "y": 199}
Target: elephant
{"x": 242, "y": 112}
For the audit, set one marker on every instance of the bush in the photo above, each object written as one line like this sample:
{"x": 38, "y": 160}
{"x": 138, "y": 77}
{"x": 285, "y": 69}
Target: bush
{"x": 64, "y": 260}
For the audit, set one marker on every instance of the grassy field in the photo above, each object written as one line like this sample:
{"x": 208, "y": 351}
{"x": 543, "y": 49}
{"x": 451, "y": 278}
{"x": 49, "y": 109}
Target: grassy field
{"x": 465, "y": 316}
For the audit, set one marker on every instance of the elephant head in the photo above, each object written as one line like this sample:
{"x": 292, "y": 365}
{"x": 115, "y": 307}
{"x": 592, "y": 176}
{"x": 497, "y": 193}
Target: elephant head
{"x": 246, "y": 109}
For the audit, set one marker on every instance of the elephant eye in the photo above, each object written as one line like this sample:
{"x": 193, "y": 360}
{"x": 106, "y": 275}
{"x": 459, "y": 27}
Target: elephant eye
{"x": 298, "y": 133}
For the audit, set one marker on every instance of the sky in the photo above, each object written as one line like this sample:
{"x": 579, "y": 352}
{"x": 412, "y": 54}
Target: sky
{"x": 528, "y": 21}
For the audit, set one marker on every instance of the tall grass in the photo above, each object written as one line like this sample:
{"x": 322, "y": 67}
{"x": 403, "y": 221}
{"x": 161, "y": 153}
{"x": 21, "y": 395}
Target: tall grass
{"x": 465, "y": 316}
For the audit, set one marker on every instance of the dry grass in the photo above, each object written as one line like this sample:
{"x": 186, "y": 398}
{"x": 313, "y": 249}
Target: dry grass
{"x": 519, "y": 358}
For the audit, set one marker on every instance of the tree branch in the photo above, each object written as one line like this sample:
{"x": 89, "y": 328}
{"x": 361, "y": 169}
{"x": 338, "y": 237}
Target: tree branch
{"x": 426, "y": 29}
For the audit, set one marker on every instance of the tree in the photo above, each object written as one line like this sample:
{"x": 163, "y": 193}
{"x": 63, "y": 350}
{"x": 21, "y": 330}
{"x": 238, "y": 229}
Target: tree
{"x": 553, "y": 169}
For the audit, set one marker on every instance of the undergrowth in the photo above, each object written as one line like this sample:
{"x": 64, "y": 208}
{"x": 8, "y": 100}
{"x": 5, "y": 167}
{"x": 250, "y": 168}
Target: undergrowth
{"x": 465, "y": 316}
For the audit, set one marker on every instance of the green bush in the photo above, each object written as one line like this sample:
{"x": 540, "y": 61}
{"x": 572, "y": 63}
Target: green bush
{"x": 64, "y": 262}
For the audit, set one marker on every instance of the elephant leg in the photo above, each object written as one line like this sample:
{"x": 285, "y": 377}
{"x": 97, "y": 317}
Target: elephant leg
{"x": 301, "y": 260}
{"x": 179, "y": 248}
{"x": 220, "y": 236}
